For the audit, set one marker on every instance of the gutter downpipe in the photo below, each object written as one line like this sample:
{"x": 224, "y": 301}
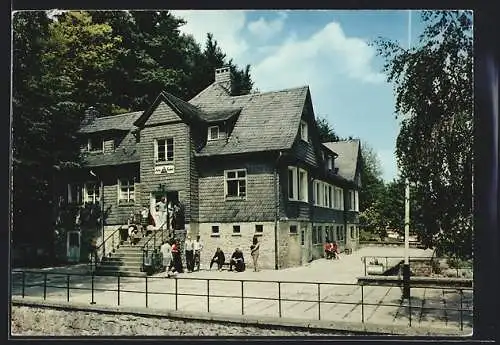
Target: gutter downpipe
{"x": 276, "y": 215}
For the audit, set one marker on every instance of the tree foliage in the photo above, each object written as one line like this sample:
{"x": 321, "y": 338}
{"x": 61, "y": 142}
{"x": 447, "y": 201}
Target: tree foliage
{"x": 433, "y": 84}
{"x": 115, "y": 61}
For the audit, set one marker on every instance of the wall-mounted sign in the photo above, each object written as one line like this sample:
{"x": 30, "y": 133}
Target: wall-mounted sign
{"x": 164, "y": 169}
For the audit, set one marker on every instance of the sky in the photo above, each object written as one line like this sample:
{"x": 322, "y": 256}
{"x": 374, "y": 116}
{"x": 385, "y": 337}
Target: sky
{"x": 331, "y": 51}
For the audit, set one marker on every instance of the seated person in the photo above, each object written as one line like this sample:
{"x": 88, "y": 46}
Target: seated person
{"x": 237, "y": 261}
{"x": 335, "y": 250}
{"x": 219, "y": 258}
{"x": 134, "y": 235}
{"x": 328, "y": 246}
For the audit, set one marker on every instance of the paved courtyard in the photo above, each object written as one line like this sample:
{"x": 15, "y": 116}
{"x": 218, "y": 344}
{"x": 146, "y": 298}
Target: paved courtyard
{"x": 300, "y": 289}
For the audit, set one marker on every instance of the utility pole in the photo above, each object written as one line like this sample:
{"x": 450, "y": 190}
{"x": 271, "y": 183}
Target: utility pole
{"x": 406, "y": 266}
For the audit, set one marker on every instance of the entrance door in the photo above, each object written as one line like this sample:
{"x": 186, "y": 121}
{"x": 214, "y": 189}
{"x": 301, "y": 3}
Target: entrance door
{"x": 73, "y": 246}
{"x": 304, "y": 245}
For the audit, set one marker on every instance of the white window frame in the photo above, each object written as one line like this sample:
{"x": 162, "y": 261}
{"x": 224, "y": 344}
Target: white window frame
{"x": 130, "y": 192}
{"x": 236, "y": 178}
{"x": 352, "y": 200}
{"x": 304, "y": 131}
{"x": 325, "y": 194}
{"x": 89, "y": 145}
{"x": 96, "y": 195}
{"x": 295, "y": 193}
{"x": 303, "y": 190}
{"x": 157, "y": 151}
{"x": 210, "y": 137}
{"x": 329, "y": 162}
{"x": 342, "y": 199}
{"x": 330, "y": 194}
{"x": 356, "y": 202}
{"x": 212, "y": 233}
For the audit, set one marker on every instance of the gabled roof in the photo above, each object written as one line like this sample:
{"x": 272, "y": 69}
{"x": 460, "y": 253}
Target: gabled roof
{"x": 122, "y": 122}
{"x": 185, "y": 110}
{"x": 125, "y": 153}
{"x": 221, "y": 115}
{"x": 267, "y": 121}
{"x": 347, "y": 160}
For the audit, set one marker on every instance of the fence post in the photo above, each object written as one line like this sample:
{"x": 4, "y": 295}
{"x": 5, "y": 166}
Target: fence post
{"x": 92, "y": 302}
{"x": 175, "y": 293}
{"x": 279, "y": 298}
{"x": 24, "y": 280}
{"x": 208, "y": 295}
{"x": 364, "y": 262}
{"x": 386, "y": 263}
{"x": 45, "y": 286}
{"x": 67, "y": 286}
{"x": 242, "y": 300}
{"x": 409, "y": 306}
{"x": 362, "y": 304}
{"x": 319, "y": 301}
{"x": 146, "y": 291}
{"x": 461, "y": 307}
{"x": 118, "y": 288}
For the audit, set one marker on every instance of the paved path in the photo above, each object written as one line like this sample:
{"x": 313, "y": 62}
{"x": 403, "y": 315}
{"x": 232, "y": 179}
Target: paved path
{"x": 340, "y": 301}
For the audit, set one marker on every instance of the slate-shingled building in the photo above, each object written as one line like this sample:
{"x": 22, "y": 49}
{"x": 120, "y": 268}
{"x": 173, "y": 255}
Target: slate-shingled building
{"x": 240, "y": 166}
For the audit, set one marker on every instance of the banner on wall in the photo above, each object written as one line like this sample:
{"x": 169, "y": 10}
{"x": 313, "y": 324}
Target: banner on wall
{"x": 164, "y": 169}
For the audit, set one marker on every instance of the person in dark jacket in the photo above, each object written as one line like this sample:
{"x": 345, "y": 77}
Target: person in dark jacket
{"x": 218, "y": 258}
{"x": 237, "y": 261}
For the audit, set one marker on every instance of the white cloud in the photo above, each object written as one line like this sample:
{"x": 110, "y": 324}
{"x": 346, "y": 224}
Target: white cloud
{"x": 226, "y": 26}
{"x": 266, "y": 29}
{"x": 317, "y": 60}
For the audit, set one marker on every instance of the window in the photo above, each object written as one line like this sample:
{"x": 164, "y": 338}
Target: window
{"x": 164, "y": 150}
{"x": 213, "y": 132}
{"x": 329, "y": 163}
{"x": 126, "y": 191}
{"x": 292, "y": 183}
{"x": 317, "y": 193}
{"x": 341, "y": 192}
{"x": 95, "y": 144}
{"x": 325, "y": 195}
{"x": 353, "y": 200}
{"x": 215, "y": 230}
{"x": 356, "y": 203}
{"x": 302, "y": 237}
{"x": 320, "y": 234}
{"x": 297, "y": 184}
{"x": 330, "y": 196}
{"x": 75, "y": 193}
{"x": 236, "y": 230}
{"x": 303, "y": 190}
{"x": 314, "y": 235}
{"x": 340, "y": 233}
{"x": 293, "y": 229}
{"x": 259, "y": 228}
{"x": 351, "y": 234}
{"x": 303, "y": 130}
{"x": 91, "y": 192}
{"x": 236, "y": 183}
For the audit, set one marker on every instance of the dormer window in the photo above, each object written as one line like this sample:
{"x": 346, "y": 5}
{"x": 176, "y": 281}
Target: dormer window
{"x": 303, "y": 131}
{"x": 213, "y": 132}
{"x": 329, "y": 163}
{"x": 95, "y": 144}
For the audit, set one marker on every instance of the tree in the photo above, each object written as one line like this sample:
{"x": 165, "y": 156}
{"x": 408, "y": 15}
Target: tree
{"x": 371, "y": 178}
{"x": 326, "y": 132}
{"x": 433, "y": 84}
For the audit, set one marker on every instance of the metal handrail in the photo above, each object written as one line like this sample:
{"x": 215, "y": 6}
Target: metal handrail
{"x": 96, "y": 250}
{"x": 145, "y": 247}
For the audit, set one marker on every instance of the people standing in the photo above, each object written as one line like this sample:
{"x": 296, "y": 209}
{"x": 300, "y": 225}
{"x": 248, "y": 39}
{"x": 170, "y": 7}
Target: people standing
{"x": 189, "y": 250}
{"x": 176, "y": 258}
{"x": 254, "y": 251}
{"x": 161, "y": 208}
{"x": 237, "y": 261}
{"x": 198, "y": 247}
{"x": 170, "y": 214}
{"x": 218, "y": 258}
{"x": 166, "y": 251}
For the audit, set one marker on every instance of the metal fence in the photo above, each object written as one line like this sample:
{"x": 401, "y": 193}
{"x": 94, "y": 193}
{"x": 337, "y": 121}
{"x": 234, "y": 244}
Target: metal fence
{"x": 393, "y": 262}
{"x": 115, "y": 284}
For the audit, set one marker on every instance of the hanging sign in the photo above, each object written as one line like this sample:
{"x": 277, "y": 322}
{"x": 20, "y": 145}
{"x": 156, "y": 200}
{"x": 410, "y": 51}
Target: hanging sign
{"x": 162, "y": 169}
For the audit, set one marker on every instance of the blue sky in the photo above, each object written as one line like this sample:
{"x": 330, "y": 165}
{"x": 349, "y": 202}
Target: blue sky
{"x": 329, "y": 51}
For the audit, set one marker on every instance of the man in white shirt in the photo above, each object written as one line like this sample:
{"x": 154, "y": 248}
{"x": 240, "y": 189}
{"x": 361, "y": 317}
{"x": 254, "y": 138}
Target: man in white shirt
{"x": 198, "y": 246}
{"x": 166, "y": 251}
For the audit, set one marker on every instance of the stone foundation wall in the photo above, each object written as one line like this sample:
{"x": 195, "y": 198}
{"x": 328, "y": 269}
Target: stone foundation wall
{"x": 228, "y": 241}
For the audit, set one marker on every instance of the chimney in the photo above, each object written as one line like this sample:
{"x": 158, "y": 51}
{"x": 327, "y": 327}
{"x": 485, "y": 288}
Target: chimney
{"x": 223, "y": 75}
{"x": 90, "y": 115}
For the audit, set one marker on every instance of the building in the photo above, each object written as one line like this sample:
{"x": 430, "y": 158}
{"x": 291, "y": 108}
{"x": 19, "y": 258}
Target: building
{"x": 240, "y": 166}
